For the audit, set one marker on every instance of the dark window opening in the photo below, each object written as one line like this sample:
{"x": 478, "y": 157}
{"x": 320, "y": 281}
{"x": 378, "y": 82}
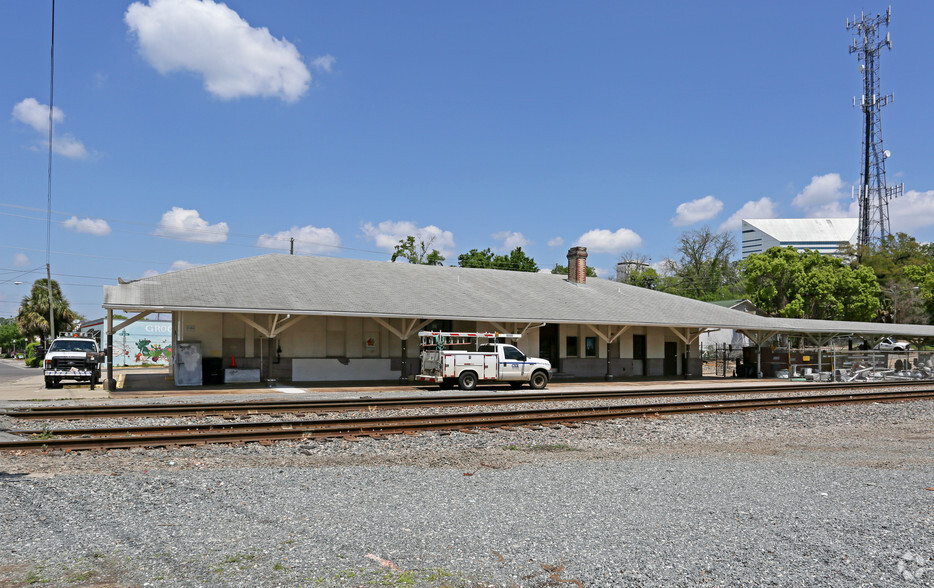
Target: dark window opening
{"x": 590, "y": 346}
{"x": 572, "y": 347}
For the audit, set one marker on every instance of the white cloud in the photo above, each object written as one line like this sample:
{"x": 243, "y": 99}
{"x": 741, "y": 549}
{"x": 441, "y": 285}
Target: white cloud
{"x": 822, "y": 190}
{"x": 696, "y": 211}
{"x": 30, "y": 112}
{"x": 187, "y": 225}
{"x": 761, "y": 208}
{"x": 308, "y": 240}
{"x": 324, "y": 63}
{"x": 33, "y": 114}
{"x": 605, "y": 241}
{"x": 556, "y": 242}
{"x": 213, "y": 41}
{"x": 91, "y": 226}
{"x": 387, "y": 234}
{"x": 912, "y": 211}
{"x": 180, "y": 264}
{"x": 510, "y": 239}
{"x": 68, "y": 146}
{"x": 149, "y": 273}
{"x": 21, "y": 260}
{"x": 835, "y": 210}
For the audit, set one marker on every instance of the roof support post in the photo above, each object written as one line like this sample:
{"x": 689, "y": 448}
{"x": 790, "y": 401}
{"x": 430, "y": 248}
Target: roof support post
{"x": 758, "y": 337}
{"x": 111, "y": 329}
{"x": 111, "y": 383}
{"x": 505, "y": 328}
{"x": 609, "y": 337}
{"x": 820, "y": 342}
{"x": 409, "y": 326}
{"x": 263, "y": 331}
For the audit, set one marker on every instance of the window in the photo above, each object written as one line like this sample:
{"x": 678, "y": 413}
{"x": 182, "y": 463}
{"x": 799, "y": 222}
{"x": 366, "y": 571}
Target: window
{"x": 513, "y": 354}
{"x": 572, "y": 347}
{"x": 590, "y": 346}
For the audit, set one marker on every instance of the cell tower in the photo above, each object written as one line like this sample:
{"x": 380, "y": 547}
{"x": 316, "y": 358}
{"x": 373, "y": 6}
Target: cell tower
{"x": 873, "y": 193}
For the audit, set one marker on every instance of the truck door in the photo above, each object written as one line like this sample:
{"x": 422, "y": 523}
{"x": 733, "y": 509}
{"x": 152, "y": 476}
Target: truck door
{"x": 512, "y": 365}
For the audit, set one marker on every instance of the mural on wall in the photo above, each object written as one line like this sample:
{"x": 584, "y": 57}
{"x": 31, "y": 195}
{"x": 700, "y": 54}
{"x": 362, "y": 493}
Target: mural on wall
{"x": 144, "y": 343}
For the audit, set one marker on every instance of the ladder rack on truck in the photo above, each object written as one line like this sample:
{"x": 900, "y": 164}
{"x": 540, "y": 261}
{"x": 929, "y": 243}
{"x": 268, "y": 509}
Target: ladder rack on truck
{"x": 442, "y": 339}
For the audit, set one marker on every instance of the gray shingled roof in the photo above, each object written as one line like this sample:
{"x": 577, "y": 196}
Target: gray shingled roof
{"x": 277, "y": 283}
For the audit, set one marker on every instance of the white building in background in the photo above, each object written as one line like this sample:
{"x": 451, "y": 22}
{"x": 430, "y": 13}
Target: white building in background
{"x": 825, "y": 235}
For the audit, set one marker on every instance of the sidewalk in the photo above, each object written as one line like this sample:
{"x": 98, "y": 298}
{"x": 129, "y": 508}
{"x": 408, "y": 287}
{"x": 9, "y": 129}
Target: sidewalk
{"x": 157, "y": 382}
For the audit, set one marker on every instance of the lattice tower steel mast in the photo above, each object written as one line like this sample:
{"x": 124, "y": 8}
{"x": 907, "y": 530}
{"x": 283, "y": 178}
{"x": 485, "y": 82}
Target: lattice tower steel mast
{"x": 873, "y": 193}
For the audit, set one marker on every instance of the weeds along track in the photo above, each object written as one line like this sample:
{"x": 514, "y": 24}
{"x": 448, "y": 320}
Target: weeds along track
{"x": 232, "y": 408}
{"x": 179, "y": 435}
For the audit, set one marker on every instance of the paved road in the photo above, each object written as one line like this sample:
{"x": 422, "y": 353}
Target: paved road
{"x": 13, "y": 369}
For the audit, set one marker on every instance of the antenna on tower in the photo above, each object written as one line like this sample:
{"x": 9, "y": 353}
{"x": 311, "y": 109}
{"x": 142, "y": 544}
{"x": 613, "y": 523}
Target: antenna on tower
{"x": 873, "y": 194}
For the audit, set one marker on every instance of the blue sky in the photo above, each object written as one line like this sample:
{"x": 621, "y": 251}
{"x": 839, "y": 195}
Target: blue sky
{"x": 192, "y": 132}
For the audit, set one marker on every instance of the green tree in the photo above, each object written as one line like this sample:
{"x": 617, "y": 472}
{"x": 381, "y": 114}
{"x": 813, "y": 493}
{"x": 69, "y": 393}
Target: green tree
{"x": 890, "y": 259}
{"x": 703, "y": 270}
{"x": 646, "y": 278}
{"x": 33, "y": 317}
{"x": 786, "y": 283}
{"x": 417, "y": 252}
{"x": 563, "y": 270}
{"x": 10, "y": 337}
{"x": 516, "y": 260}
{"x": 923, "y": 276}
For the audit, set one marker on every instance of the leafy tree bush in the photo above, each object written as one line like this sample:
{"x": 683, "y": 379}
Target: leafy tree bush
{"x": 32, "y": 359}
{"x": 516, "y": 260}
{"x": 786, "y": 283}
{"x": 33, "y": 317}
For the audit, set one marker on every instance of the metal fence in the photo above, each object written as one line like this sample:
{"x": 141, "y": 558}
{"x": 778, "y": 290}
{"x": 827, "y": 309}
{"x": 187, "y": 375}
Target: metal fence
{"x": 812, "y": 364}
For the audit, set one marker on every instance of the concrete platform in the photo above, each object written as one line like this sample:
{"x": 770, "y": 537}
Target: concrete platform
{"x": 157, "y": 382}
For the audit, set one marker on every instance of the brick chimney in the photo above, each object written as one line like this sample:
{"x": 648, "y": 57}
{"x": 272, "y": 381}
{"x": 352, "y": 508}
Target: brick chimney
{"x": 577, "y": 265}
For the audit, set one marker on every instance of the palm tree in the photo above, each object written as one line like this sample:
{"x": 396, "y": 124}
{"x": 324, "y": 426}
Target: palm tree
{"x": 33, "y": 317}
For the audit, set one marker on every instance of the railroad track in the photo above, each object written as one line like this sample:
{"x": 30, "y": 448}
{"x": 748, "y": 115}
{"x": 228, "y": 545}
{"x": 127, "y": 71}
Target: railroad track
{"x": 179, "y": 435}
{"x": 366, "y": 403}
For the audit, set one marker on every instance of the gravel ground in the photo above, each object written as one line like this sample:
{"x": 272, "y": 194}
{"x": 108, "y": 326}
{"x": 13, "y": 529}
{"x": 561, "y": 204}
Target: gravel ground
{"x": 834, "y": 496}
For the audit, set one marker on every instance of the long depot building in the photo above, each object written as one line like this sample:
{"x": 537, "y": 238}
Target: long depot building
{"x": 317, "y": 319}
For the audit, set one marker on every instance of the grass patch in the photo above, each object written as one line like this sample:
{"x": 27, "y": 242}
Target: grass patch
{"x": 45, "y": 434}
{"x": 238, "y": 558}
{"x": 80, "y": 576}
{"x": 395, "y": 579}
{"x": 552, "y": 448}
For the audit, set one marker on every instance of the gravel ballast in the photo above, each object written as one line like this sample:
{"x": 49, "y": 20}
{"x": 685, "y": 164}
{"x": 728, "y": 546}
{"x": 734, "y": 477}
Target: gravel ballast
{"x": 831, "y": 496}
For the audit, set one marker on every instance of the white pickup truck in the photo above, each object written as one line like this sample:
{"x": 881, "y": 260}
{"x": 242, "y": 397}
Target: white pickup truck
{"x": 490, "y": 362}
{"x": 73, "y": 356}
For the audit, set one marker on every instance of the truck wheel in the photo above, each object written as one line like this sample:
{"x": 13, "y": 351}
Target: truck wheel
{"x": 539, "y": 380}
{"x": 467, "y": 381}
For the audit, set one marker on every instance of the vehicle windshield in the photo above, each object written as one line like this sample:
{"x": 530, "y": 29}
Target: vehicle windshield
{"x": 73, "y": 345}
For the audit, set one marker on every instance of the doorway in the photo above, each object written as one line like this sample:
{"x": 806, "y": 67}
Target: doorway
{"x": 671, "y": 358}
{"x": 548, "y": 344}
{"x": 639, "y": 354}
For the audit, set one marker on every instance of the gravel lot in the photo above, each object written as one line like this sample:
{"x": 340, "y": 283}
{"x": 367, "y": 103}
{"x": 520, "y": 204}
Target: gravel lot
{"x": 837, "y": 496}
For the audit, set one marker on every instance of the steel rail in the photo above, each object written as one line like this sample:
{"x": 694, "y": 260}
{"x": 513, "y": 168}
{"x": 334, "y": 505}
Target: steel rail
{"x": 365, "y": 403}
{"x": 176, "y": 435}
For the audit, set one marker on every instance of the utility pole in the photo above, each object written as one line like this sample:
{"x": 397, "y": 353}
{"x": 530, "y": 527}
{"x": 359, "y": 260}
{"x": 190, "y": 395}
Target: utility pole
{"x": 48, "y": 229}
{"x": 873, "y": 194}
